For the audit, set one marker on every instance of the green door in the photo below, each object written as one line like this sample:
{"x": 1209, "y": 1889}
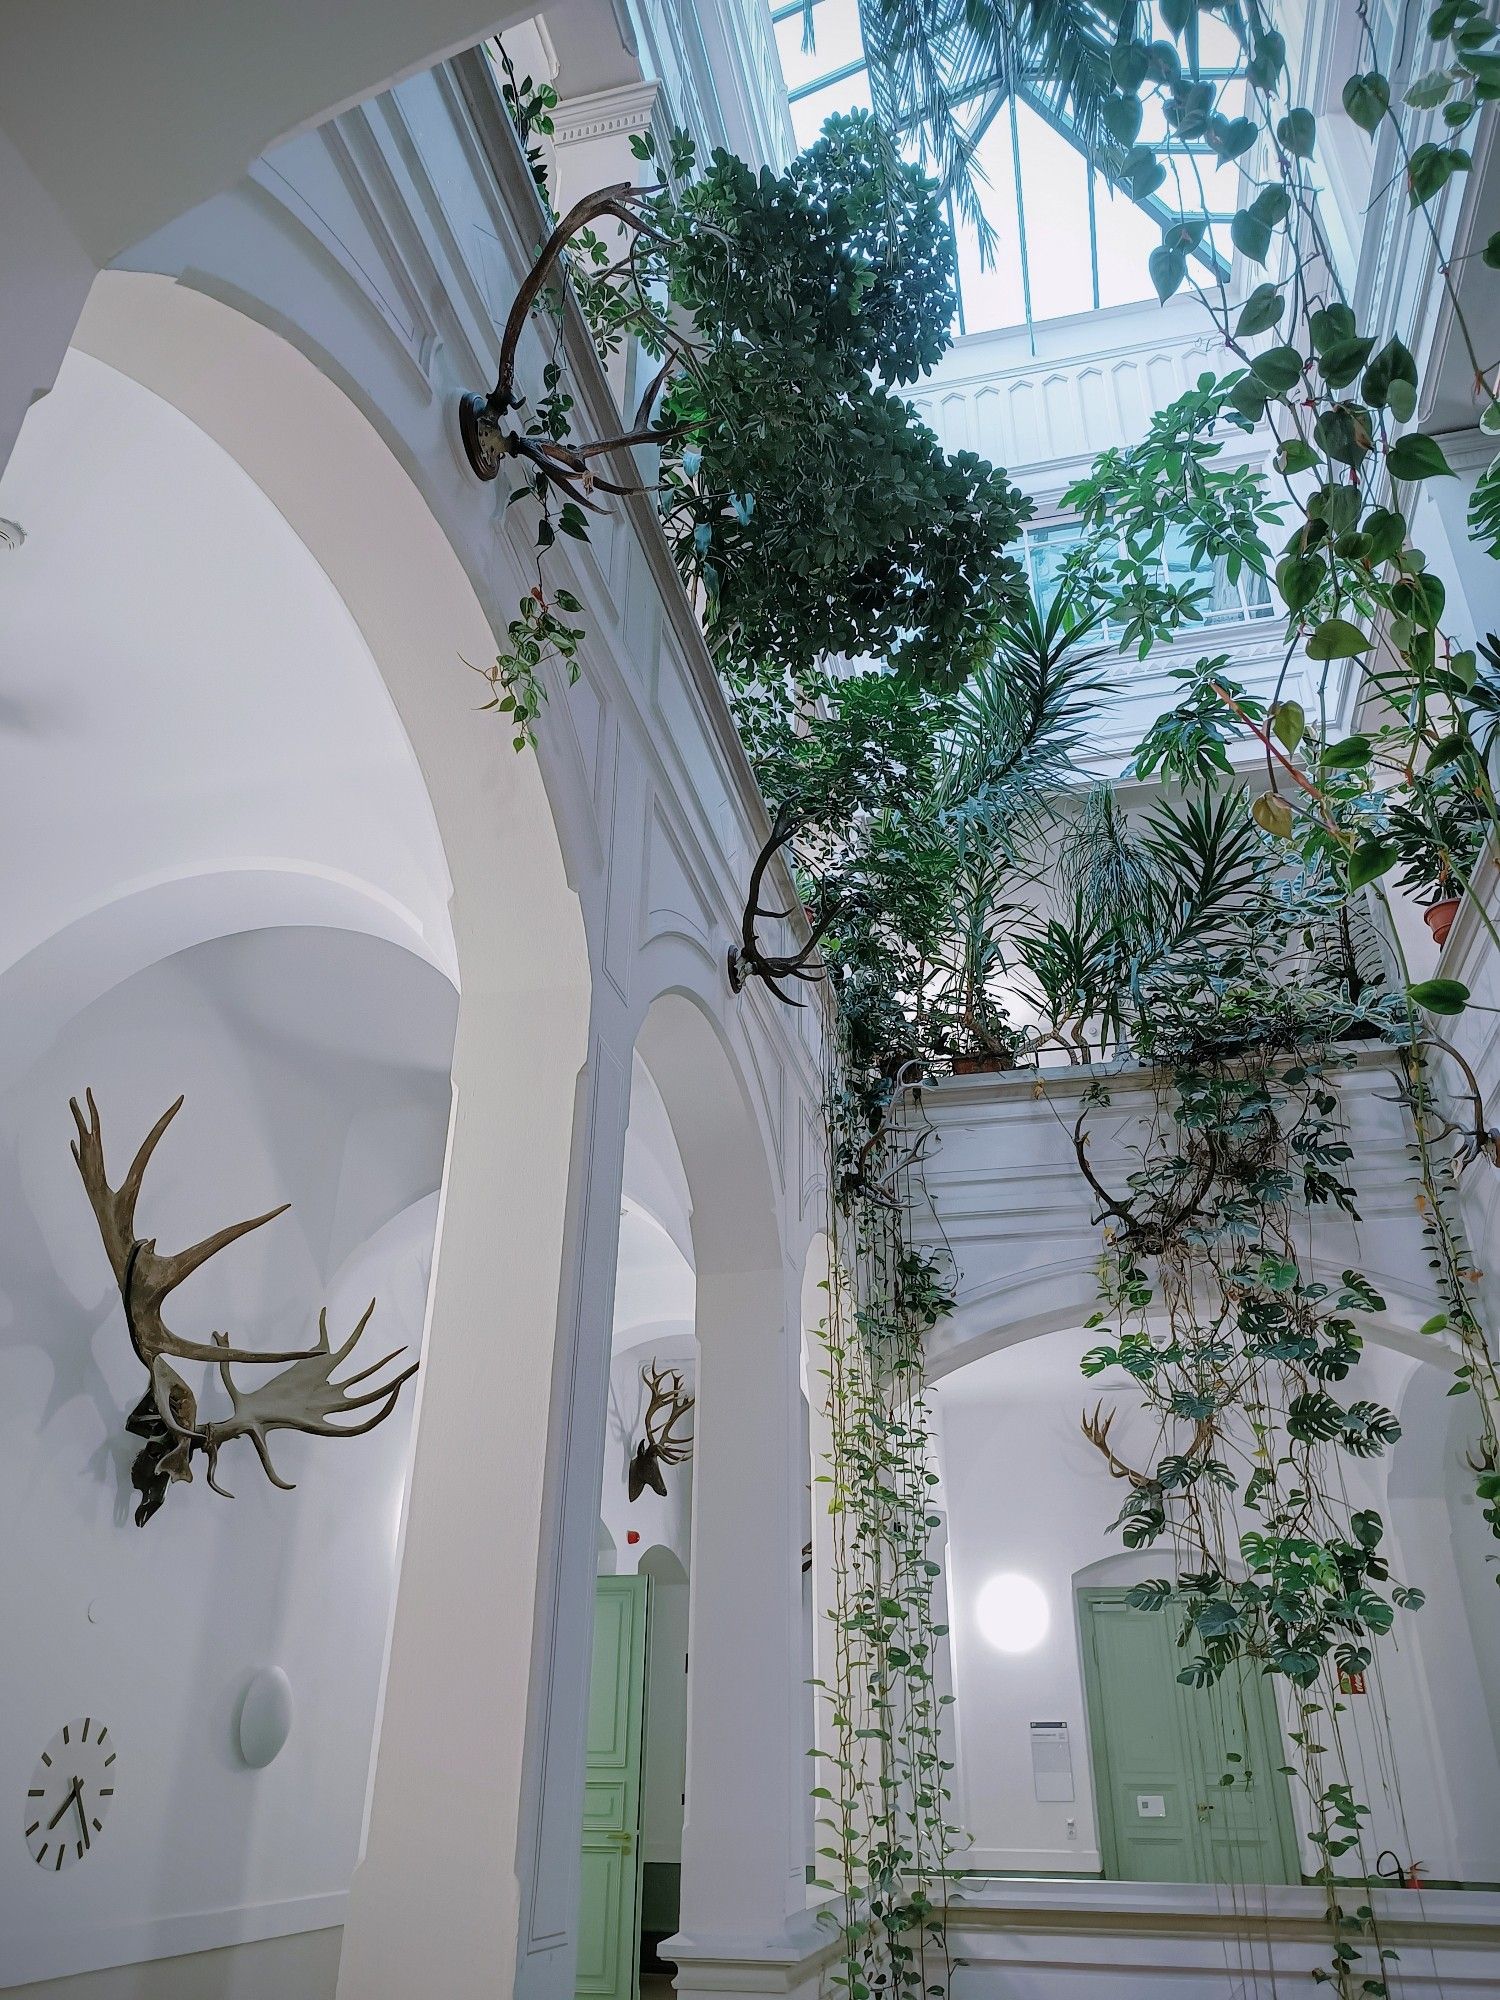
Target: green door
{"x": 1161, "y": 1750}
{"x": 610, "y": 1890}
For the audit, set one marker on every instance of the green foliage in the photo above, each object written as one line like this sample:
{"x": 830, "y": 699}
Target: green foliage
{"x": 806, "y": 505}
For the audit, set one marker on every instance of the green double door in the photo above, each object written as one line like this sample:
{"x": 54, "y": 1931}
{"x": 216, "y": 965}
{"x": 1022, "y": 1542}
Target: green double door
{"x": 1161, "y": 1752}
{"x": 610, "y": 1887}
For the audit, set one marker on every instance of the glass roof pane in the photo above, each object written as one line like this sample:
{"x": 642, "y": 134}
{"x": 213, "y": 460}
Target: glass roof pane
{"x": 1127, "y": 236}
{"x": 1054, "y": 182}
{"x": 838, "y": 42}
{"x": 992, "y": 293}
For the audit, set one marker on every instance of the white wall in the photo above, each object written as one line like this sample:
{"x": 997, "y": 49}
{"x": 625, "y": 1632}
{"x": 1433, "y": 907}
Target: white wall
{"x": 315, "y": 1069}
{"x": 184, "y": 690}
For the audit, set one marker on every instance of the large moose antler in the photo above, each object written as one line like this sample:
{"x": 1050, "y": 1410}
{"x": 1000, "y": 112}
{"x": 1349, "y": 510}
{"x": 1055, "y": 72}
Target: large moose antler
{"x": 167, "y": 1415}
{"x": 746, "y": 959}
{"x": 304, "y": 1397}
{"x": 659, "y": 1447}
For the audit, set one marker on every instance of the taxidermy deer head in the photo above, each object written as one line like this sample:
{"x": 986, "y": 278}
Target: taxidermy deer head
{"x": 302, "y": 1397}
{"x": 668, "y": 1405}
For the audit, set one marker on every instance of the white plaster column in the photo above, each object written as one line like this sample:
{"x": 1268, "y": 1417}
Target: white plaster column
{"x": 436, "y": 1893}
{"x": 551, "y": 1828}
{"x": 744, "y": 1919}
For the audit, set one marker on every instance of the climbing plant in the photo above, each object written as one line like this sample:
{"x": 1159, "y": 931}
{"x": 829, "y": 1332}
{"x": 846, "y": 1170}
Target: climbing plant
{"x": 886, "y": 1843}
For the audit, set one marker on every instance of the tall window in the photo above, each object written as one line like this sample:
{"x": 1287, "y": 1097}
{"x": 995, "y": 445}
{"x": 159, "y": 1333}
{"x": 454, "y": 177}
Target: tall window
{"x": 1066, "y": 241}
{"x": 1048, "y": 547}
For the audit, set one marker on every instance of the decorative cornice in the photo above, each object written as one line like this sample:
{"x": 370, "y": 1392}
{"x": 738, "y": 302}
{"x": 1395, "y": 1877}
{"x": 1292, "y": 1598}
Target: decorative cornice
{"x": 627, "y": 107}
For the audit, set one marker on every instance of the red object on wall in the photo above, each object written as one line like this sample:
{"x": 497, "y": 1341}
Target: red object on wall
{"x": 632, "y": 1535}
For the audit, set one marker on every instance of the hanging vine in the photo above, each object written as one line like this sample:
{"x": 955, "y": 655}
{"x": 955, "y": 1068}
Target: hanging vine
{"x": 886, "y": 1834}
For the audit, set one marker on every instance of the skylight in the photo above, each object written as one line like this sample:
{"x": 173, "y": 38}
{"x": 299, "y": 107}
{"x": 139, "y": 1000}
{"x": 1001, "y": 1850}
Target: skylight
{"x": 1066, "y": 240}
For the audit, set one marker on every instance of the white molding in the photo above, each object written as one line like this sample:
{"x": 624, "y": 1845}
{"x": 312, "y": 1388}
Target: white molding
{"x": 106, "y": 1945}
{"x": 626, "y": 107}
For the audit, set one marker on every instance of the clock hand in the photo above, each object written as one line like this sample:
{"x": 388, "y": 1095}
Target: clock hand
{"x": 83, "y": 1818}
{"x": 72, "y": 1794}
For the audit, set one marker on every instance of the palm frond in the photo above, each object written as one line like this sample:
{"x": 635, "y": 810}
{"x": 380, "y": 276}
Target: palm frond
{"x": 1020, "y": 722}
{"x": 940, "y": 68}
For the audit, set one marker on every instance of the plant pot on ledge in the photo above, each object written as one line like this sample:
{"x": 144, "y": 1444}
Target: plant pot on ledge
{"x": 1438, "y": 918}
{"x": 983, "y": 1064}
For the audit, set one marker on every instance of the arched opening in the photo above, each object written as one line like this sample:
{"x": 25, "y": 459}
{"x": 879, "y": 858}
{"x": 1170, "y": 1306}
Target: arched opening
{"x": 268, "y": 841}
{"x": 1036, "y": 1577}
{"x": 635, "y": 1753}
{"x": 744, "y": 1842}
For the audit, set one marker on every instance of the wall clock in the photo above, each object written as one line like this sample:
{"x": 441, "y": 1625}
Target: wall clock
{"x": 71, "y": 1791}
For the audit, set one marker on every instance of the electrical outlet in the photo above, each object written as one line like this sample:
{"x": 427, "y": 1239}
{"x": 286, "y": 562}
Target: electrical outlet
{"x": 1072, "y": 1829}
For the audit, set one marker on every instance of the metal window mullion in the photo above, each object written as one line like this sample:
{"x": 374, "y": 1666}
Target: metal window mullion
{"x": 1015, "y": 156}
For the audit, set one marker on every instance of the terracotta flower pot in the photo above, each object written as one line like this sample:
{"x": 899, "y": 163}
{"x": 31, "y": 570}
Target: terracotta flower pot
{"x": 982, "y": 1065}
{"x": 1439, "y": 918}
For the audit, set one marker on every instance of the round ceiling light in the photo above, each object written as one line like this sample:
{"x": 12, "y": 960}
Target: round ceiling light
{"x": 1013, "y": 1613}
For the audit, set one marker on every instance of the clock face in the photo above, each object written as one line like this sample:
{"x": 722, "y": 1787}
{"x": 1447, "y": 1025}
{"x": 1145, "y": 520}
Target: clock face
{"x": 71, "y": 1791}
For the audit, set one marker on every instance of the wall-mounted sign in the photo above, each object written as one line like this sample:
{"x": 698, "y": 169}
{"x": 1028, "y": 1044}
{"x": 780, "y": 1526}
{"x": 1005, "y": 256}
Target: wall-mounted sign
{"x": 1051, "y": 1763}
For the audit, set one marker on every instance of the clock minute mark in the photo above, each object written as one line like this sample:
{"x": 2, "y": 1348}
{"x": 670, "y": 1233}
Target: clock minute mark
{"x": 112, "y": 1755}
{"x": 37, "y": 1792}
{"x": 106, "y": 1791}
{"x": 43, "y": 1855}
{"x": 60, "y": 1853}
{"x": 80, "y": 1850}
{"x": 65, "y": 1732}
{"x": 86, "y": 1721}
{"x": 97, "y": 1827}
{"x": 32, "y": 1828}
{"x": 47, "y": 1759}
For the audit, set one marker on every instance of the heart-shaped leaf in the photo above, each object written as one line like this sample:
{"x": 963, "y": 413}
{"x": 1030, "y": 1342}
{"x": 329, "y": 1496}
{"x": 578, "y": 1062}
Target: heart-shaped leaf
{"x": 1370, "y": 860}
{"x": 1260, "y": 311}
{"x": 1122, "y": 117}
{"x": 1417, "y": 456}
{"x": 1337, "y": 639}
{"x": 1439, "y": 996}
{"x": 1278, "y": 369}
{"x": 1349, "y": 755}
{"x": 1367, "y": 98}
{"x": 1298, "y": 132}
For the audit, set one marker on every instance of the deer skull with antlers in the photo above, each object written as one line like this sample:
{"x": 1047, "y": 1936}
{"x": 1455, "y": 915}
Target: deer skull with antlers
{"x": 669, "y": 1404}
{"x": 301, "y": 1397}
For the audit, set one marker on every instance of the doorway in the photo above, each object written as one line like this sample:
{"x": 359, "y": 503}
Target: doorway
{"x": 610, "y": 1881}
{"x": 1161, "y": 1753}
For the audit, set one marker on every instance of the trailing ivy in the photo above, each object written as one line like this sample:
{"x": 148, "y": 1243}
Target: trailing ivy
{"x": 886, "y": 1843}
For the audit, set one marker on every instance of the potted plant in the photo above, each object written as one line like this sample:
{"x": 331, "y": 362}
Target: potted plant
{"x": 986, "y": 1042}
{"x": 1438, "y": 829}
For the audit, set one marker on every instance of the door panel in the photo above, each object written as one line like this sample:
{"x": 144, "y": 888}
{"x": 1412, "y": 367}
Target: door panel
{"x": 610, "y": 1883}
{"x": 1160, "y": 1751}
{"x": 1245, "y": 1825}
{"x": 1142, "y": 1782}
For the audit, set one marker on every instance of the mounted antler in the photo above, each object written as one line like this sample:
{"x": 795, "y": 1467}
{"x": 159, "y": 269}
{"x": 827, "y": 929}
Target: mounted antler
{"x": 1096, "y": 1429}
{"x": 487, "y": 440}
{"x": 746, "y": 959}
{"x": 1481, "y": 1140}
{"x": 303, "y": 1398}
{"x": 1153, "y": 1234}
{"x": 167, "y": 1415}
{"x": 659, "y": 1447}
